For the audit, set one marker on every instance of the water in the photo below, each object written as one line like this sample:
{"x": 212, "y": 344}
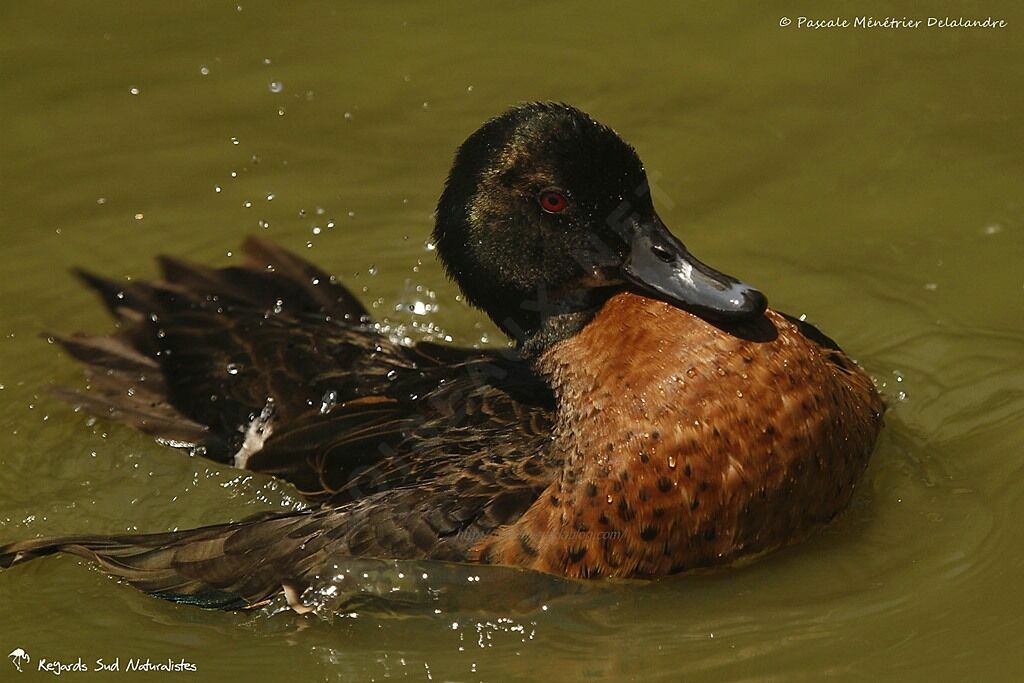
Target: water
{"x": 869, "y": 179}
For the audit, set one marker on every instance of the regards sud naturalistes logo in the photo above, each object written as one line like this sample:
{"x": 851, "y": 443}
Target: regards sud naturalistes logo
{"x": 23, "y": 662}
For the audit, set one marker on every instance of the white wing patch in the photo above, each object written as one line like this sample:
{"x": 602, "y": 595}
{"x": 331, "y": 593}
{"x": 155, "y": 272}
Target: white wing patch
{"x": 258, "y": 431}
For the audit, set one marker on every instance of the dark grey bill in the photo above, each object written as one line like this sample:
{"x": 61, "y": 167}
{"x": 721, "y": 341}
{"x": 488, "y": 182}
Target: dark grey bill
{"x": 660, "y": 265}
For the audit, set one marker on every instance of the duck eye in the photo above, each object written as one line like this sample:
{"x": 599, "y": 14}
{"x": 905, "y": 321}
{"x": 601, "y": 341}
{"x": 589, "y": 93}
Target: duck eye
{"x": 552, "y": 201}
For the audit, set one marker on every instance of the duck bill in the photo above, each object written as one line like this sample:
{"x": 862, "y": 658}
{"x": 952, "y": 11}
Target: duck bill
{"x": 660, "y": 265}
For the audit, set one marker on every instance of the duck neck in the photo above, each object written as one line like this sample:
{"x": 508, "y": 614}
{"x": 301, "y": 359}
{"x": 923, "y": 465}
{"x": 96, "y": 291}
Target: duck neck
{"x": 554, "y": 329}
{"x": 556, "y": 320}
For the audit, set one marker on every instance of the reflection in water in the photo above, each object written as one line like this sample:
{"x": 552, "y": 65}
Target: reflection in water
{"x": 396, "y": 587}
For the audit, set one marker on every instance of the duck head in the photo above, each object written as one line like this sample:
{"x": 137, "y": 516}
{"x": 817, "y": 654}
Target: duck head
{"x": 547, "y": 213}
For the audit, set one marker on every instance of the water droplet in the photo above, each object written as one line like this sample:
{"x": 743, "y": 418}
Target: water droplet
{"x": 216, "y": 188}
{"x": 347, "y": 116}
{"x": 133, "y": 90}
{"x": 234, "y": 368}
{"x": 671, "y": 462}
{"x": 739, "y": 394}
{"x": 721, "y": 372}
{"x": 316, "y": 230}
{"x": 280, "y": 111}
{"x": 692, "y": 372}
{"x": 204, "y": 70}
{"x": 276, "y": 86}
{"x": 372, "y": 270}
{"x": 610, "y": 499}
{"x": 139, "y": 216}
{"x": 263, "y": 224}
{"x": 328, "y": 401}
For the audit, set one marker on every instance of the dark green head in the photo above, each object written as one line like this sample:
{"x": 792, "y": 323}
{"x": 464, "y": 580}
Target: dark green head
{"x": 547, "y": 213}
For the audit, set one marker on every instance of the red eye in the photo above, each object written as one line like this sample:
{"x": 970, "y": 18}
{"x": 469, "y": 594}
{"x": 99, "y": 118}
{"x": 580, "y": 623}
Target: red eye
{"x": 552, "y": 201}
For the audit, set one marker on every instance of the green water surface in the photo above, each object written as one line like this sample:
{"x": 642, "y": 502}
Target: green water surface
{"x": 871, "y": 179}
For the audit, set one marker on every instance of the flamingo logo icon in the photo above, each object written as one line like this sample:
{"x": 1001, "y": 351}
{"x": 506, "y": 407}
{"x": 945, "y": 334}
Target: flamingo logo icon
{"x": 18, "y": 657}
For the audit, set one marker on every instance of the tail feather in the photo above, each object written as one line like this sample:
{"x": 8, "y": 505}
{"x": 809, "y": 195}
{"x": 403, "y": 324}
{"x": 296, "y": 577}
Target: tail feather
{"x": 121, "y": 298}
{"x": 110, "y": 352}
{"x": 226, "y": 566}
{"x": 126, "y": 385}
{"x": 156, "y": 419}
{"x": 323, "y": 289}
{"x": 270, "y": 275}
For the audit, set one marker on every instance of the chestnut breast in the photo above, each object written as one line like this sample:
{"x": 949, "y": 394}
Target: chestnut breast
{"x": 686, "y": 445}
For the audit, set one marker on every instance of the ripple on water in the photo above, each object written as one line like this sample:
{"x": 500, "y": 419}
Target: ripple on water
{"x": 348, "y": 586}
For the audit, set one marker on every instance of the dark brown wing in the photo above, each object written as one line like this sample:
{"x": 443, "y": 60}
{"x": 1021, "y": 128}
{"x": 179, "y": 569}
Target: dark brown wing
{"x": 243, "y": 564}
{"x": 417, "y": 452}
{"x": 422, "y": 424}
{"x": 211, "y": 567}
{"x": 274, "y": 366}
{"x": 207, "y": 348}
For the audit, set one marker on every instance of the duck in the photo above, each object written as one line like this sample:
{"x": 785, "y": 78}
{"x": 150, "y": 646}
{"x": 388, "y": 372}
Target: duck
{"x": 650, "y": 416}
